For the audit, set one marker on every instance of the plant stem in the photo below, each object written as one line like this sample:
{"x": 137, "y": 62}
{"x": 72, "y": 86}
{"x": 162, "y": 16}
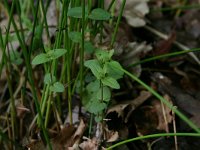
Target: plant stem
{"x": 152, "y": 136}
{"x": 118, "y": 22}
{"x": 164, "y": 56}
{"x": 177, "y": 112}
{"x": 30, "y": 77}
{"x": 82, "y": 51}
{"x": 68, "y": 64}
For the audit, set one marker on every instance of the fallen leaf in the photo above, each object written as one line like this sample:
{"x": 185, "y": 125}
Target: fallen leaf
{"x": 79, "y": 133}
{"x": 89, "y": 144}
{"x": 62, "y": 140}
{"x": 163, "y": 113}
{"x": 146, "y": 120}
{"x": 119, "y": 108}
{"x": 110, "y": 135}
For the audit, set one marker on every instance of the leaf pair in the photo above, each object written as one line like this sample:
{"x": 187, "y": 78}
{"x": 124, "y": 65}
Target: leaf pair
{"x": 105, "y": 69}
{"x": 50, "y": 55}
{"x": 96, "y": 14}
{"x": 97, "y": 97}
{"x": 54, "y": 86}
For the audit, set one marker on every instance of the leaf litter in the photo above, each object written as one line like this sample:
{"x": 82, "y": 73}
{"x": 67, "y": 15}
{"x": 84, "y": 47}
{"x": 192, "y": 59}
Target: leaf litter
{"x": 177, "y": 79}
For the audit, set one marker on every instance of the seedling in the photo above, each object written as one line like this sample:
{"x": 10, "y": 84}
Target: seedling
{"x": 98, "y": 92}
{"x": 55, "y": 86}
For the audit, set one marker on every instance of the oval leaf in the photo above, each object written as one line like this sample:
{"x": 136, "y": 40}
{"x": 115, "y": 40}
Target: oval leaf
{"x": 75, "y": 36}
{"x": 48, "y": 79}
{"x": 57, "y": 87}
{"x": 98, "y": 118}
{"x": 55, "y": 53}
{"x": 99, "y": 14}
{"x": 111, "y": 82}
{"x": 95, "y": 68}
{"x": 89, "y": 48}
{"x": 114, "y": 70}
{"x": 106, "y": 94}
{"x": 96, "y": 107}
{"x": 76, "y": 12}
{"x": 93, "y": 86}
{"x": 40, "y": 59}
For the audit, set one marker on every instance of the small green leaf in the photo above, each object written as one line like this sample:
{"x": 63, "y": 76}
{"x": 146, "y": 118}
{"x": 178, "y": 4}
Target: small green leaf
{"x": 96, "y": 107}
{"x": 40, "y": 59}
{"x": 89, "y": 77}
{"x": 114, "y": 69}
{"x": 56, "y": 53}
{"x": 106, "y": 94}
{"x": 98, "y": 118}
{"x": 48, "y": 79}
{"x": 111, "y": 82}
{"x": 76, "y": 12}
{"x": 93, "y": 86}
{"x": 99, "y": 14}
{"x": 95, "y": 67}
{"x": 89, "y": 48}
{"x": 103, "y": 55}
{"x": 57, "y": 87}
{"x": 75, "y": 36}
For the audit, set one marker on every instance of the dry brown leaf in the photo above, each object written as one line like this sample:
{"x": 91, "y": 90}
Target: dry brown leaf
{"x": 78, "y": 134}
{"x": 163, "y": 113}
{"x": 146, "y": 120}
{"x": 62, "y": 140}
{"x": 119, "y": 108}
{"x": 89, "y": 144}
{"x": 110, "y": 136}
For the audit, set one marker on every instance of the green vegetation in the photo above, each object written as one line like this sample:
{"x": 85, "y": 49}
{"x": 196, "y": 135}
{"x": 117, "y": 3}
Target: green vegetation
{"x": 63, "y": 65}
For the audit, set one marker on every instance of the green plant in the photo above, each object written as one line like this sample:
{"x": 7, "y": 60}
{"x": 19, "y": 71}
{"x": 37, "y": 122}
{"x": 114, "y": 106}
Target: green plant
{"x": 61, "y": 62}
{"x": 98, "y": 92}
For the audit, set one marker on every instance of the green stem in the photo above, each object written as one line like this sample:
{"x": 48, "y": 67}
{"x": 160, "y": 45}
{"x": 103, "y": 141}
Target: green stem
{"x": 168, "y": 104}
{"x": 110, "y": 5}
{"x": 34, "y": 26}
{"x": 152, "y": 136}
{"x": 82, "y": 50}
{"x": 30, "y": 77}
{"x": 118, "y": 22}
{"x": 13, "y": 109}
{"x": 48, "y": 111}
{"x": 164, "y": 56}
{"x": 6, "y": 38}
{"x": 68, "y": 64}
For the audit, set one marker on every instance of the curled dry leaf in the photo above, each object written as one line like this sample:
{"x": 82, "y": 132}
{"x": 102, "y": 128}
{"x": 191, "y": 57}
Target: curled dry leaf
{"x": 110, "y": 136}
{"x": 89, "y": 144}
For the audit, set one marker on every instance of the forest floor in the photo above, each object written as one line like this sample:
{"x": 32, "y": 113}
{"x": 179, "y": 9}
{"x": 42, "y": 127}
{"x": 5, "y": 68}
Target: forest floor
{"x": 157, "y": 42}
